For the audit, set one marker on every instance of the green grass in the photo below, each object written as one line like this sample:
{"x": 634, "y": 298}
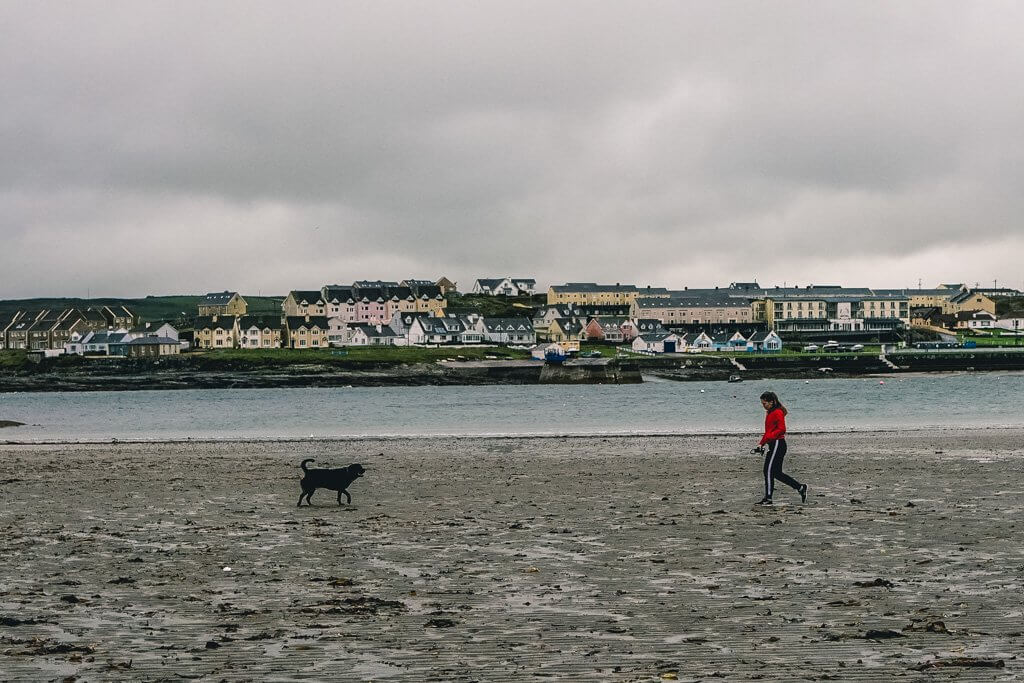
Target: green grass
{"x": 149, "y": 308}
{"x": 347, "y": 355}
{"x": 499, "y": 306}
{"x": 996, "y": 339}
{"x": 12, "y": 360}
{"x": 606, "y": 350}
{"x": 1009, "y": 306}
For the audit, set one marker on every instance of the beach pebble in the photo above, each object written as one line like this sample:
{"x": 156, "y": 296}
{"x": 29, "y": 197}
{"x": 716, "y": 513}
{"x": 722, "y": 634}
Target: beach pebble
{"x": 227, "y": 569}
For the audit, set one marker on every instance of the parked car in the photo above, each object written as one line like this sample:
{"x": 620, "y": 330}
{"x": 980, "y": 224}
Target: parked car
{"x": 830, "y": 346}
{"x": 857, "y": 347}
{"x": 810, "y": 348}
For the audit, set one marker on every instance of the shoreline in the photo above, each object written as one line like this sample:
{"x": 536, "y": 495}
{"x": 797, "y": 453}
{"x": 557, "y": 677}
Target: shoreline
{"x": 177, "y": 373}
{"x": 392, "y": 438}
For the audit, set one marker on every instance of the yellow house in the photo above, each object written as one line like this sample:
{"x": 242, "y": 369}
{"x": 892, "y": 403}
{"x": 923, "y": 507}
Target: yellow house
{"x": 216, "y": 332}
{"x": 693, "y": 309}
{"x": 591, "y": 294}
{"x": 222, "y": 303}
{"x": 259, "y": 332}
{"x": 304, "y": 302}
{"x": 564, "y": 329}
{"x": 951, "y": 299}
{"x": 306, "y": 331}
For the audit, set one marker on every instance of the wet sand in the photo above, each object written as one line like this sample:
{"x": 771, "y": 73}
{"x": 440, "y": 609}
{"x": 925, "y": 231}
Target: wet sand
{"x": 620, "y": 559}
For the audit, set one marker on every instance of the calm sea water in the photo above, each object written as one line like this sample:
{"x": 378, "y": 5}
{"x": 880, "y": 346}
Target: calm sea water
{"x": 659, "y": 407}
{"x": 666, "y": 408}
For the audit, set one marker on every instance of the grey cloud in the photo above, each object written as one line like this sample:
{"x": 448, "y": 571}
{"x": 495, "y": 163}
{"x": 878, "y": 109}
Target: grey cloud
{"x": 565, "y": 141}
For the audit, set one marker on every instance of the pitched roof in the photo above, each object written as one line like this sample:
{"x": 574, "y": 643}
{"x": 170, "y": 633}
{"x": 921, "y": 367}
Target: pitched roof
{"x": 308, "y": 295}
{"x": 698, "y": 299}
{"x": 656, "y": 336}
{"x": 206, "y": 322}
{"x": 435, "y": 325}
{"x": 294, "y": 322}
{"x": 338, "y": 293}
{"x": 217, "y": 298}
{"x": 262, "y": 322}
{"x": 372, "y": 332}
{"x": 507, "y": 324}
{"x": 374, "y": 283}
{"x": 153, "y": 341}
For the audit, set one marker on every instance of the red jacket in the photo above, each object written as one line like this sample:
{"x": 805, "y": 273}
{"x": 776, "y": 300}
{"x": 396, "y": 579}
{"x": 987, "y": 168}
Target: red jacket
{"x": 774, "y": 426}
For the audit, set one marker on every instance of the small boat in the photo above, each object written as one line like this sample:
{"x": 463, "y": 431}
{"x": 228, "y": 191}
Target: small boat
{"x": 554, "y": 356}
{"x": 735, "y": 378}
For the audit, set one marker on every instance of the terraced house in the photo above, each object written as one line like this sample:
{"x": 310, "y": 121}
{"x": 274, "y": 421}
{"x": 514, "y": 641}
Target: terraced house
{"x": 216, "y": 332}
{"x": 300, "y": 302}
{"x": 306, "y": 332}
{"x": 376, "y": 303}
{"x": 590, "y": 293}
{"x": 260, "y": 332}
{"x": 694, "y": 307}
{"x": 506, "y": 330}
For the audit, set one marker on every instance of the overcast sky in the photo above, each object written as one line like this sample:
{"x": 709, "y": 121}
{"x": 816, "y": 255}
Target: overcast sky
{"x": 184, "y": 147}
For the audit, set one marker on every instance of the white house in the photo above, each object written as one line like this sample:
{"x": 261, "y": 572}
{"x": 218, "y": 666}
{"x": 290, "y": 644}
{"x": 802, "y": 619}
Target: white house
{"x": 156, "y": 329}
{"x": 507, "y": 330}
{"x": 374, "y": 335}
{"x": 434, "y": 330}
{"x": 95, "y": 343}
{"x": 696, "y": 342}
{"x": 766, "y": 342}
{"x": 657, "y": 342}
{"x": 1010, "y": 324}
{"x": 976, "y": 320}
{"x": 505, "y": 286}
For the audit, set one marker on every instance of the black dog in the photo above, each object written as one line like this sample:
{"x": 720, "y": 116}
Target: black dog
{"x": 335, "y": 480}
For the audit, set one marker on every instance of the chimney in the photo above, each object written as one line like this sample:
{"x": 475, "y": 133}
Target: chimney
{"x": 307, "y": 318}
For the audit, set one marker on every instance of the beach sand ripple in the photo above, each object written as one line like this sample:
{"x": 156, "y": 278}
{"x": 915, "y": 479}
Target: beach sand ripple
{"x": 624, "y": 559}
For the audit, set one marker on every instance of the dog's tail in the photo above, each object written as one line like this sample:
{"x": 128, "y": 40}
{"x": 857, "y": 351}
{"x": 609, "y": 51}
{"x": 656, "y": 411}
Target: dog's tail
{"x": 303, "y": 464}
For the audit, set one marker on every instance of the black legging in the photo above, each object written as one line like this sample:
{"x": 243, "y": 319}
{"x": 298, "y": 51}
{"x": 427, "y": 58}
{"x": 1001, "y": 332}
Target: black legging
{"x": 775, "y": 452}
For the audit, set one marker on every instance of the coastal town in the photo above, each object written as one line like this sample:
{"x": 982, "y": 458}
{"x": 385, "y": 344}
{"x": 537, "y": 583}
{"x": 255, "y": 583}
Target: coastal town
{"x": 742, "y": 317}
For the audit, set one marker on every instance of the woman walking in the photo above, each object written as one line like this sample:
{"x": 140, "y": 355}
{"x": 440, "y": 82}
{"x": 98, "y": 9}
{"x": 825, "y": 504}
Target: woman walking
{"x": 773, "y": 445}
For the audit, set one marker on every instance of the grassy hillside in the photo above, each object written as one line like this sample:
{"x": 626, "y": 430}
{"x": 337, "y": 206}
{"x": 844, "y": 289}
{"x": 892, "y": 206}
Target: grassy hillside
{"x": 499, "y": 306}
{"x": 150, "y": 308}
{"x": 1010, "y": 306}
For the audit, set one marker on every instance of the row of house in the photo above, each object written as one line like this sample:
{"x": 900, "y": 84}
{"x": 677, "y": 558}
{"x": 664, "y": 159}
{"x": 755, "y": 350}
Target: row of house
{"x": 368, "y": 302}
{"x": 669, "y": 342}
{"x": 815, "y": 309}
{"x": 144, "y": 343}
{"x": 319, "y": 331}
{"x": 52, "y": 328}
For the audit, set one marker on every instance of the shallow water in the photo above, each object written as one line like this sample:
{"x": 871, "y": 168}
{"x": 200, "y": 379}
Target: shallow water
{"x": 860, "y": 404}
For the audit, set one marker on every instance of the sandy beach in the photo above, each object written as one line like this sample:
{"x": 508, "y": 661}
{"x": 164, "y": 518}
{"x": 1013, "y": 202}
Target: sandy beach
{"x": 619, "y": 559}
